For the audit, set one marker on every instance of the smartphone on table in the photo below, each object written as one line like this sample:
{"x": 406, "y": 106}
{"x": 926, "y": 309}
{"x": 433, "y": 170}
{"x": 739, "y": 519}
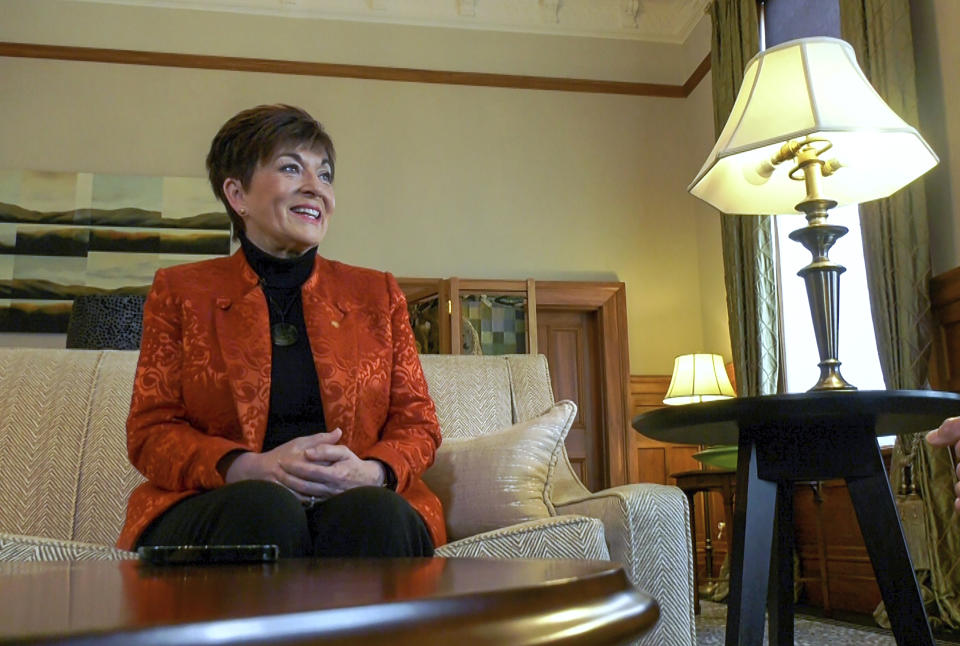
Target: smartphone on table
{"x": 207, "y": 554}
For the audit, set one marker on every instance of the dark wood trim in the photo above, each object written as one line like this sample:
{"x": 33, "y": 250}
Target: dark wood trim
{"x": 370, "y": 72}
{"x": 698, "y": 75}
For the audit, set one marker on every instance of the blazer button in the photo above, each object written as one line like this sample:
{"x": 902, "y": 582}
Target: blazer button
{"x": 223, "y": 303}
{"x": 335, "y": 323}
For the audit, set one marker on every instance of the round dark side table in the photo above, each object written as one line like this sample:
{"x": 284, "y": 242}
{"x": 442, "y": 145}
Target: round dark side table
{"x": 783, "y": 439}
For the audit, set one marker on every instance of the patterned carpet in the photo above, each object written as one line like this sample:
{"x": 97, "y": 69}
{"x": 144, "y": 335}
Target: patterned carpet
{"x": 808, "y": 631}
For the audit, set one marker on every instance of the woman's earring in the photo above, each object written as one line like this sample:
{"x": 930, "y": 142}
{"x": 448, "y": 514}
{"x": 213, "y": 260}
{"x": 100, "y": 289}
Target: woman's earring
{"x": 243, "y": 211}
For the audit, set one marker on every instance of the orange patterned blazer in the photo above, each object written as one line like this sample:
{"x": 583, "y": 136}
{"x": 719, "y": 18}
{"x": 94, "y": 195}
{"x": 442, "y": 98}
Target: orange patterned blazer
{"x": 202, "y": 386}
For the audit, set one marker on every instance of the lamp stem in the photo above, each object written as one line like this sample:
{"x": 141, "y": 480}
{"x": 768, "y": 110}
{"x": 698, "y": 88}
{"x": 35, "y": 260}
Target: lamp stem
{"x": 821, "y": 276}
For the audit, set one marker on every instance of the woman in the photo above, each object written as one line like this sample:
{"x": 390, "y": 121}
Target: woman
{"x": 279, "y": 398}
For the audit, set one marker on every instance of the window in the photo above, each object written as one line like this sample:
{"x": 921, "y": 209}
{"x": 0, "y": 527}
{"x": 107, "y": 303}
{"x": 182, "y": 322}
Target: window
{"x": 857, "y": 342}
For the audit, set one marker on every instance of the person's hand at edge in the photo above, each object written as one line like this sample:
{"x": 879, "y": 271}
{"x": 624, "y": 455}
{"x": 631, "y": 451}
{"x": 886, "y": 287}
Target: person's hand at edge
{"x": 947, "y": 434}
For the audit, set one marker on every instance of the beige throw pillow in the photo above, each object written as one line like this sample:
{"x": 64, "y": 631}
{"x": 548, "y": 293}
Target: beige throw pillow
{"x": 502, "y": 478}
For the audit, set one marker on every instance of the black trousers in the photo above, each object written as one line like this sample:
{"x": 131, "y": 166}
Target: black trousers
{"x": 361, "y": 522}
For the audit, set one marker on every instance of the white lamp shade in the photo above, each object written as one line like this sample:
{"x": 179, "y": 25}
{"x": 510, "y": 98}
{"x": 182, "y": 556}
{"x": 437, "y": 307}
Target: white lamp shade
{"x": 809, "y": 87}
{"x": 698, "y": 378}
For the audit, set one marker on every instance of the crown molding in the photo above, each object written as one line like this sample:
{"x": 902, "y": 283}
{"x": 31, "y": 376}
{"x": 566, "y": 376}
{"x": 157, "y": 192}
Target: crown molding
{"x": 656, "y": 21}
{"x": 371, "y": 72}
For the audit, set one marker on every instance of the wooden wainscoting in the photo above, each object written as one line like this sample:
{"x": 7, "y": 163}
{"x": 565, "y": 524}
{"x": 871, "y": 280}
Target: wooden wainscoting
{"x": 945, "y": 359}
{"x": 837, "y": 541}
{"x": 654, "y": 461}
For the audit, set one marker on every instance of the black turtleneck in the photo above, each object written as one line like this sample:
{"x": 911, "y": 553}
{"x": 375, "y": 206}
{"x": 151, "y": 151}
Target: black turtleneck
{"x": 295, "y": 405}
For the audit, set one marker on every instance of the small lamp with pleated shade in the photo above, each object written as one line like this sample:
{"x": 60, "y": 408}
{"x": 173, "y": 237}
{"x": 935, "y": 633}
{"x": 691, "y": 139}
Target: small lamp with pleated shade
{"x": 698, "y": 378}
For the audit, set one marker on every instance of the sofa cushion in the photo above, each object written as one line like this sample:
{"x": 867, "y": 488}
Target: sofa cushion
{"x": 45, "y": 399}
{"x": 106, "y": 475}
{"x": 530, "y": 385}
{"x": 472, "y": 394}
{"x": 501, "y": 478}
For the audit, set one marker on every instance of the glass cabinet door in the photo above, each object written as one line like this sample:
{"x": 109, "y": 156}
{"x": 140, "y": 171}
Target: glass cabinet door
{"x": 496, "y": 317}
{"x": 466, "y": 316}
{"x": 428, "y": 305}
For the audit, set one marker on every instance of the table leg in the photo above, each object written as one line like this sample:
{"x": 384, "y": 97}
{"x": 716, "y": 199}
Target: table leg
{"x": 753, "y": 526}
{"x": 780, "y": 589}
{"x": 707, "y": 535}
{"x": 883, "y": 536}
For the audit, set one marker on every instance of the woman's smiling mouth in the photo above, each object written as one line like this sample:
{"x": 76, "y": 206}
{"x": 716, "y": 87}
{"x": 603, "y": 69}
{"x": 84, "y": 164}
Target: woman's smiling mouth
{"x": 307, "y": 212}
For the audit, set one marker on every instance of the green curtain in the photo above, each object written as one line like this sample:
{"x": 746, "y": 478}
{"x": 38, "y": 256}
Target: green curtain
{"x": 749, "y": 242}
{"x": 897, "y": 258}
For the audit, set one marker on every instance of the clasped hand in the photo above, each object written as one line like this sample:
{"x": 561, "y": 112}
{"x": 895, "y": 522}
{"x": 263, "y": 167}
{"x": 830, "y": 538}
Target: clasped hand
{"x": 312, "y": 467}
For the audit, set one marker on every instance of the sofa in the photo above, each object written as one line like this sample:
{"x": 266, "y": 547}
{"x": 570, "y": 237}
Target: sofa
{"x": 502, "y": 472}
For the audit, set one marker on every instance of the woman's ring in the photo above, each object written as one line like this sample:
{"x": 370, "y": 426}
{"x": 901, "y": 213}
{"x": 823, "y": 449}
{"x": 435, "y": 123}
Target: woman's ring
{"x": 312, "y": 501}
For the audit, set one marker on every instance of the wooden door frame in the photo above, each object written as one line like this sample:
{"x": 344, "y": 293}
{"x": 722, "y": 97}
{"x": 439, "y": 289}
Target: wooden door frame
{"x": 609, "y": 302}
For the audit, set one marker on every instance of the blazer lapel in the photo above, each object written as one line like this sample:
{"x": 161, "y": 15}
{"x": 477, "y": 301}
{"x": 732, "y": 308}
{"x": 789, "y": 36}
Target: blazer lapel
{"x": 331, "y": 325}
{"x": 243, "y": 329}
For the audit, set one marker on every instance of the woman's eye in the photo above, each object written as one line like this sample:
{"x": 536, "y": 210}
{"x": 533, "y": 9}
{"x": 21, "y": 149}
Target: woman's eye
{"x": 326, "y": 177}
{"x": 290, "y": 168}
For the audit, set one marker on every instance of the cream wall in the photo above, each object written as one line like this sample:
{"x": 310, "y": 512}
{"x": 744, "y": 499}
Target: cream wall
{"x": 432, "y": 180}
{"x": 709, "y": 253}
{"x": 935, "y": 24}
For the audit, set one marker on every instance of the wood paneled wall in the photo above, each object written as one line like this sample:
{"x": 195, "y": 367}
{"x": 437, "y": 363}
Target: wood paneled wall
{"x": 654, "y": 461}
{"x": 945, "y": 299}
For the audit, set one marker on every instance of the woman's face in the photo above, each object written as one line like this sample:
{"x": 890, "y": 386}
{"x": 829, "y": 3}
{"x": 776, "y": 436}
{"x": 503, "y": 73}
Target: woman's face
{"x": 286, "y": 208}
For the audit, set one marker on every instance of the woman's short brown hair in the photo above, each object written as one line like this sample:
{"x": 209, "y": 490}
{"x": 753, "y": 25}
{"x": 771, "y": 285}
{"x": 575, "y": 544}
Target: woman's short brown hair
{"x": 252, "y": 137}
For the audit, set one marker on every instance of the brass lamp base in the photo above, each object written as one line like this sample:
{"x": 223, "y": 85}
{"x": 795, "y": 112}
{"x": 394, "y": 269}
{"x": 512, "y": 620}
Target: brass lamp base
{"x": 822, "y": 278}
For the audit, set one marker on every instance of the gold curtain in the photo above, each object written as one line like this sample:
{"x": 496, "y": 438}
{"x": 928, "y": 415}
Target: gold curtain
{"x": 749, "y": 249}
{"x": 897, "y": 258}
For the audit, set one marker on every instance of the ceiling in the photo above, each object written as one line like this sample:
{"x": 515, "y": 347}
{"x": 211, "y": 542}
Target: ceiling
{"x": 655, "y": 21}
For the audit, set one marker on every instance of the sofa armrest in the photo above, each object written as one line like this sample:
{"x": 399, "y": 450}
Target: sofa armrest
{"x": 647, "y": 528}
{"x": 557, "y": 537}
{"x": 15, "y": 547}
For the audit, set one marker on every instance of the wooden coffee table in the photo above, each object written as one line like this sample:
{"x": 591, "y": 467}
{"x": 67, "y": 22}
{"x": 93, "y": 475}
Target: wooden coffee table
{"x": 317, "y": 601}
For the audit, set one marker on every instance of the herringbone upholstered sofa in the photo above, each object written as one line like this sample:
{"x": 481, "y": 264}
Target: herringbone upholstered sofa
{"x": 65, "y": 477}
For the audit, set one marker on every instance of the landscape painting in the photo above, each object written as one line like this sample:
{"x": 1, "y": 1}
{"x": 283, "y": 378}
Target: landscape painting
{"x": 67, "y": 234}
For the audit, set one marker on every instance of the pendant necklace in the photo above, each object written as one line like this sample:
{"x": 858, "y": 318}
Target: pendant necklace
{"x": 284, "y": 334}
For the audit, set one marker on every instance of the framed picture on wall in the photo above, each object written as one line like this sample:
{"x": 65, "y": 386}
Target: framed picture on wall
{"x": 63, "y": 235}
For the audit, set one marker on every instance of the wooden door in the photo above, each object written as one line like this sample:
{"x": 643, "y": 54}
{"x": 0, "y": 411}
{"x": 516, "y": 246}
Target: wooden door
{"x": 570, "y": 341}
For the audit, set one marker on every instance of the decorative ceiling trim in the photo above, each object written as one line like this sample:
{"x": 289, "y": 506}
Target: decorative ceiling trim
{"x": 369, "y": 72}
{"x": 661, "y": 21}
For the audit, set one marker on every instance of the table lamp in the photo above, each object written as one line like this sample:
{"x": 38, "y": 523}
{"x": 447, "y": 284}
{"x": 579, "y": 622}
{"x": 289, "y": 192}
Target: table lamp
{"x": 798, "y": 102}
{"x": 698, "y": 378}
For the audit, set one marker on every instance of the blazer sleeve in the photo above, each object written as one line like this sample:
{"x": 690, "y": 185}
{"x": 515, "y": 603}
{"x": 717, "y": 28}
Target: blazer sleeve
{"x": 161, "y": 444}
{"x": 411, "y": 435}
